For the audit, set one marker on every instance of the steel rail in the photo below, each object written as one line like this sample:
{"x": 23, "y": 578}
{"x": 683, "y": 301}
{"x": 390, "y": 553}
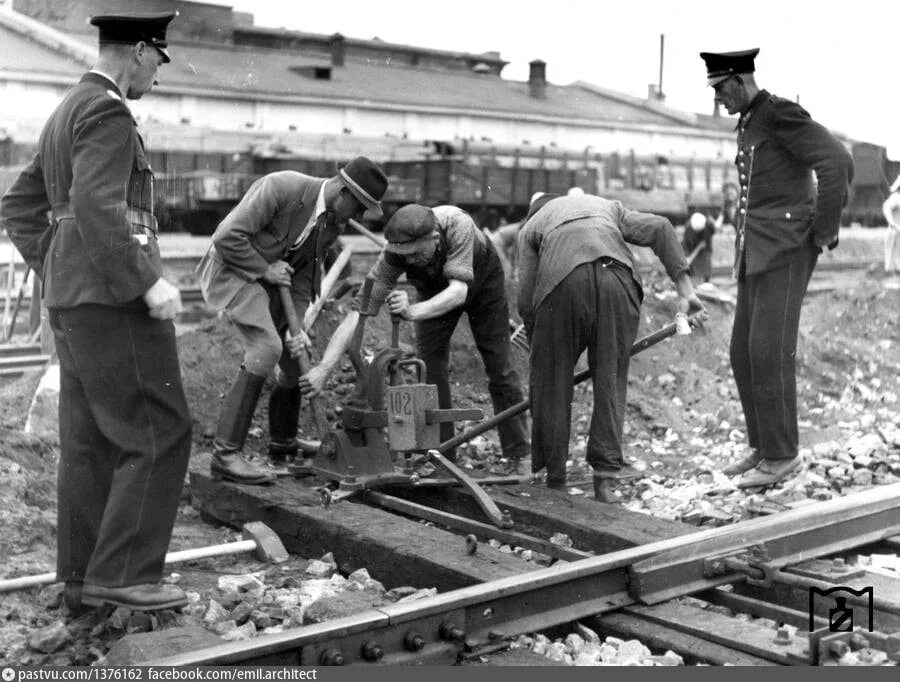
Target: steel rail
{"x": 778, "y": 540}
{"x": 438, "y": 629}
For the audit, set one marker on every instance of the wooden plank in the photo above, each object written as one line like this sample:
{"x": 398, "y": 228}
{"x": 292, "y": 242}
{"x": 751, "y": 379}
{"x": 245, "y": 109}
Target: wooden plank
{"x": 536, "y": 510}
{"x": 660, "y": 638}
{"x": 395, "y": 550}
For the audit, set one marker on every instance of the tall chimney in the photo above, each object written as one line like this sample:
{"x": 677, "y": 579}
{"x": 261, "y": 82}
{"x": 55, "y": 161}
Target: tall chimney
{"x": 537, "y": 78}
{"x": 337, "y": 49}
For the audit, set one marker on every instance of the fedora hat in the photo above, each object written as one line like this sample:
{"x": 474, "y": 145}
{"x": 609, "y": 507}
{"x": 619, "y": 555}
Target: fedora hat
{"x": 366, "y": 181}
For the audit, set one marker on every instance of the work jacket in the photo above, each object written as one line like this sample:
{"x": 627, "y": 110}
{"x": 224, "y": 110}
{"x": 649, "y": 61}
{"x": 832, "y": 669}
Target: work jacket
{"x": 264, "y": 228}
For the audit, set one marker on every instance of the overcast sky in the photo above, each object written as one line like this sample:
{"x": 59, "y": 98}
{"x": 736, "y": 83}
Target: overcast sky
{"x": 841, "y": 58}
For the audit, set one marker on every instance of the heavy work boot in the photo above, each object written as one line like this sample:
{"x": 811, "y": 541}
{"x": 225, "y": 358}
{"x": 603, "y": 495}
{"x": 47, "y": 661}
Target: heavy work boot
{"x": 231, "y": 433}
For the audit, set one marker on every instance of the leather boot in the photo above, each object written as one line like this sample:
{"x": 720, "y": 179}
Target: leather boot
{"x": 284, "y": 412}
{"x": 603, "y": 490}
{"x": 231, "y": 433}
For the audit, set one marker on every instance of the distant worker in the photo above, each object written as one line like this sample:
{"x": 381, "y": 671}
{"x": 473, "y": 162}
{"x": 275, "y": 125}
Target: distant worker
{"x": 124, "y": 423}
{"x": 891, "y": 208}
{"x": 794, "y": 178}
{"x": 698, "y": 245}
{"x": 728, "y": 214}
{"x": 455, "y": 270}
{"x": 579, "y": 288}
{"x": 278, "y": 235}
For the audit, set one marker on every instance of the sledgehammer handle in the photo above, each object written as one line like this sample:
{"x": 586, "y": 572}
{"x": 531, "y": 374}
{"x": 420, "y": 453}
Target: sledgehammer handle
{"x": 296, "y": 328}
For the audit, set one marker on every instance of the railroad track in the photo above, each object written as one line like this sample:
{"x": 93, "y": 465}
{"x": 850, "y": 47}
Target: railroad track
{"x": 621, "y": 578}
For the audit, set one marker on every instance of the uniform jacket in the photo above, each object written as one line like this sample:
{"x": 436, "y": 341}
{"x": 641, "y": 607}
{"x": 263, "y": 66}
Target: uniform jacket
{"x": 573, "y": 230}
{"x": 783, "y": 208}
{"x": 260, "y": 230}
{"x": 91, "y": 174}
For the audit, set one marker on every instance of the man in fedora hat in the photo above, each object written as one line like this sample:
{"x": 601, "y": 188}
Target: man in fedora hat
{"x": 794, "y": 180}
{"x": 278, "y": 235}
{"x": 455, "y": 269}
{"x": 124, "y": 425}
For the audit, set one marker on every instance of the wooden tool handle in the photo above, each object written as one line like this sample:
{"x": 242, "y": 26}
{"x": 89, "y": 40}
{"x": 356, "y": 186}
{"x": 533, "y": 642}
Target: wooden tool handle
{"x": 296, "y": 328}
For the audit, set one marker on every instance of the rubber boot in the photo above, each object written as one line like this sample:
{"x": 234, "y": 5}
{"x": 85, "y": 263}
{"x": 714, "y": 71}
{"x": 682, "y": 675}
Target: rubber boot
{"x": 231, "y": 433}
{"x": 284, "y": 413}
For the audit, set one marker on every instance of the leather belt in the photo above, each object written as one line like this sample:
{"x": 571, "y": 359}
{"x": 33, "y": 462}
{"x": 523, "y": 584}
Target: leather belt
{"x": 138, "y": 217}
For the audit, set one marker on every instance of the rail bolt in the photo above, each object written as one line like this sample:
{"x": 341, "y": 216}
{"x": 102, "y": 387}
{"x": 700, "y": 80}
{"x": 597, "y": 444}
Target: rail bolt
{"x": 332, "y": 657}
{"x": 413, "y": 641}
{"x": 449, "y": 631}
{"x": 372, "y": 651}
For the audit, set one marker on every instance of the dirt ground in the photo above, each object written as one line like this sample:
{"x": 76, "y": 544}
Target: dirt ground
{"x": 683, "y": 421}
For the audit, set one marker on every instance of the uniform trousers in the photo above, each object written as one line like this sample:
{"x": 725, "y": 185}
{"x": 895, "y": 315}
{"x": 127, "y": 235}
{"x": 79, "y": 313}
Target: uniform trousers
{"x": 125, "y": 436}
{"x": 488, "y": 312}
{"x": 764, "y": 350}
{"x": 596, "y": 307}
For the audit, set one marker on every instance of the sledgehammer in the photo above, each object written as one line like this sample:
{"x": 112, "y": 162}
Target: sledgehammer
{"x": 258, "y": 538}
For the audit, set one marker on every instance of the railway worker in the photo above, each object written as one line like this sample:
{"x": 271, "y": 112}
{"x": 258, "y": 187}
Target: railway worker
{"x": 891, "y": 208}
{"x": 124, "y": 424}
{"x": 794, "y": 181}
{"x": 454, "y": 269}
{"x": 277, "y": 235}
{"x": 697, "y": 243}
{"x": 579, "y": 289}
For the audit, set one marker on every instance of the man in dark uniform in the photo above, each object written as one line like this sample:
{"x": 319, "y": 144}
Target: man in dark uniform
{"x": 794, "y": 178}
{"x": 278, "y": 235}
{"x": 454, "y": 269}
{"x": 124, "y": 425}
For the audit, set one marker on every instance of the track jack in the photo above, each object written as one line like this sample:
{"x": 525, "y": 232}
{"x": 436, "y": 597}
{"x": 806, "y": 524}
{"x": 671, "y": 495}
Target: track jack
{"x": 356, "y": 456}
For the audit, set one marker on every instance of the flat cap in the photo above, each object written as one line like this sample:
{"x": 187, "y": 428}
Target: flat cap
{"x": 130, "y": 28}
{"x": 723, "y": 65}
{"x": 408, "y": 228}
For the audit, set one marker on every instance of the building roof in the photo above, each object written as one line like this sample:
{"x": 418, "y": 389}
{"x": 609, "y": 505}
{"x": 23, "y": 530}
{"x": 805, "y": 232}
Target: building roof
{"x": 279, "y": 75}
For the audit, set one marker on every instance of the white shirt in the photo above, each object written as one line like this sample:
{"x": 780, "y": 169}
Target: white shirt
{"x": 320, "y": 209}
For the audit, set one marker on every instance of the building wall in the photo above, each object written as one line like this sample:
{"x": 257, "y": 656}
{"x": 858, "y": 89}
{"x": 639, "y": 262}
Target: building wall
{"x": 35, "y": 101}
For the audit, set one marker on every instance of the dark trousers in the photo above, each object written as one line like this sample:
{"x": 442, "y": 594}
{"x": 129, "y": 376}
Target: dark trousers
{"x": 596, "y": 307}
{"x": 763, "y": 353}
{"x": 488, "y": 313}
{"x": 125, "y": 435}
